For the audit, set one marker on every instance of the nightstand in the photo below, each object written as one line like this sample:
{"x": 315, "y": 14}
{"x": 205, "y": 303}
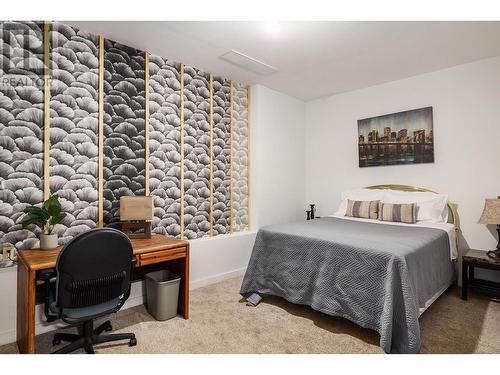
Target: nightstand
{"x": 478, "y": 259}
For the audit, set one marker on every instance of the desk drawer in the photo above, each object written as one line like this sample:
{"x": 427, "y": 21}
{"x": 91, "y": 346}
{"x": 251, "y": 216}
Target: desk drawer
{"x": 160, "y": 256}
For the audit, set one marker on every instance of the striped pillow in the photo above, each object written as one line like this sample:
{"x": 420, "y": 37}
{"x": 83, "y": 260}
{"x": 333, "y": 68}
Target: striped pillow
{"x": 364, "y": 209}
{"x": 398, "y": 212}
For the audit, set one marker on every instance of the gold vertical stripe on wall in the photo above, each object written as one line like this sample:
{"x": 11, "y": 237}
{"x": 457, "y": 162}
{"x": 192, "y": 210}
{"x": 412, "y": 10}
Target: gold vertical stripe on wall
{"x": 249, "y": 184}
{"x": 182, "y": 152}
{"x": 211, "y": 156}
{"x": 146, "y": 123}
{"x": 231, "y": 130}
{"x": 46, "y": 110}
{"x": 100, "y": 141}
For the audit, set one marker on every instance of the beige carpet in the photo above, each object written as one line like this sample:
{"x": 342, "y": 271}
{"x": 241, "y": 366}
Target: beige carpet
{"x": 221, "y": 323}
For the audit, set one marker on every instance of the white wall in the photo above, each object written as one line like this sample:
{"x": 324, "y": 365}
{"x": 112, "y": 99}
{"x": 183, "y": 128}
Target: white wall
{"x": 277, "y": 189}
{"x": 278, "y": 157}
{"x": 466, "y": 106}
{"x": 8, "y": 290}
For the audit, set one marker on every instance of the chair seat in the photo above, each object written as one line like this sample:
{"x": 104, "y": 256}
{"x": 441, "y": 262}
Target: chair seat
{"x": 81, "y": 312}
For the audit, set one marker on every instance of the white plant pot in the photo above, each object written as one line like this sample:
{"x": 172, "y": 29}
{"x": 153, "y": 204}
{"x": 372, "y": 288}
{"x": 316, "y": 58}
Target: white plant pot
{"x": 48, "y": 241}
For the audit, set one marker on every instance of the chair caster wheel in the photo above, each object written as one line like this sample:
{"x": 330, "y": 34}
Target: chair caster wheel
{"x": 108, "y": 328}
{"x": 56, "y": 342}
{"x": 132, "y": 342}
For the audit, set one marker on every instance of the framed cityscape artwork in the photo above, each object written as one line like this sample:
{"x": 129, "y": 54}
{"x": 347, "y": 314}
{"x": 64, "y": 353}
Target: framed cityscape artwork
{"x": 398, "y": 138}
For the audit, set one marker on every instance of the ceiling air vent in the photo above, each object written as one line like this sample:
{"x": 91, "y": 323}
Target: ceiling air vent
{"x": 248, "y": 63}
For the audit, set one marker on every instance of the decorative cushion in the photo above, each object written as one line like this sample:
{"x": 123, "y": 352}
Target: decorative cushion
{"x": 363, "y": 209}
{"x": 431, "y": 207}
{"x": 359, "y": 195}
{"x": 398, "y": 212}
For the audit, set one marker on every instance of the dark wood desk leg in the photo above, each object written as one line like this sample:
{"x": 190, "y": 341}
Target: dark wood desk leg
{"x": 184, "y": 305}
{"x": 25, "y": 309}
{"x": 465, "y": 281}
{"x": 181, "y": 267}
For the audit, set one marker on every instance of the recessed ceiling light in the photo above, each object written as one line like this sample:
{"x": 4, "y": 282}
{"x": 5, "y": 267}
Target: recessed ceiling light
{"x": 248, "y": 63}
{"x": 273, "y": 28}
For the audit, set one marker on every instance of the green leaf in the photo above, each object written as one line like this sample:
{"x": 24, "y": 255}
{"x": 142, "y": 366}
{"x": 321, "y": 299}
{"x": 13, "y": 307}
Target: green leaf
{"x": 33, "y": 210}
{"x": 27, "y": 222}
{"x": 52, "y": 206}
{"x": 31, "y": 220}
{"x": 39, "y": 215}
{"x": 57, "y": 219}
{"x": 46, "y": 216}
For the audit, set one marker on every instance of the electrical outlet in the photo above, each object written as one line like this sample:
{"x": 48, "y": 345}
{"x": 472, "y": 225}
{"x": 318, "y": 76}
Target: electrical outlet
{"x": 8, "y": 252}
{"x": 5, "y": 252}
{"x": 13, "y": 253}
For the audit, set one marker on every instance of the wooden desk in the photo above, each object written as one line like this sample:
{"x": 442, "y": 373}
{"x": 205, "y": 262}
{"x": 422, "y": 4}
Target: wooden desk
{"x": 148, "y": 253}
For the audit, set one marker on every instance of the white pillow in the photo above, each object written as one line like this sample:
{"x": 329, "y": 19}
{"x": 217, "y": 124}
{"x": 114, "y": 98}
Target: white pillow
{"x": 359, "y": 195}
{"x": 431, "y": 207}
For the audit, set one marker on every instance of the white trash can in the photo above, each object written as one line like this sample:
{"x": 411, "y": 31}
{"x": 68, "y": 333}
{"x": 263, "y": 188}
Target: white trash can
{"x": 162, "y": 294}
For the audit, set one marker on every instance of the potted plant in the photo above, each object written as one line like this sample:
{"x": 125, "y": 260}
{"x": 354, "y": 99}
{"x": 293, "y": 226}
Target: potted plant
{"x": 45, "y": 217}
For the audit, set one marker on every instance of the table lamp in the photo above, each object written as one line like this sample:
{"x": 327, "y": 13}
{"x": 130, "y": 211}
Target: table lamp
{"x": 136, "y": 213}
{"x": 491, "y": 215}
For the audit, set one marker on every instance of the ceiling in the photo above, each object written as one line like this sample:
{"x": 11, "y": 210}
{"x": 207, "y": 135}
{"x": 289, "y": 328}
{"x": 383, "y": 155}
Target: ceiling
{"x": 313, "y": 59}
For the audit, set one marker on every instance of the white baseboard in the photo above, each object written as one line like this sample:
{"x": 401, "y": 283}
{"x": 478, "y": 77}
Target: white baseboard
{"x": 133, "y": 301}
{"x": 7, "y": 337}
{"x": 216, "y": 278}
{"x": 136, "y": 298}
{"x": 41, "y": 326}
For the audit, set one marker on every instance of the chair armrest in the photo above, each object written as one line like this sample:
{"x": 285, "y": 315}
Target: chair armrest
{"x": 46, "y": 275}
{"x": 133, "y": 263}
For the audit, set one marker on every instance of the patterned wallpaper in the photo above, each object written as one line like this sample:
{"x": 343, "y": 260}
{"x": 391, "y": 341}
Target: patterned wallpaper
{"x": 124, "y": 142}
{"x": 21, "y": 128}
{"x": 221, "y": 155}
{"x": 196, "y": 153}
{"x": 74, "y": 68}
{"x": 207, "y": 185}
{"x": 164, "y": 144}
{"x": 240, "y": 158}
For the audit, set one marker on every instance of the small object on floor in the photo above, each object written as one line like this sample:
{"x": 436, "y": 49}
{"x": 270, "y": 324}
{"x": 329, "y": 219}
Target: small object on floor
{"x": 253, "y": 300}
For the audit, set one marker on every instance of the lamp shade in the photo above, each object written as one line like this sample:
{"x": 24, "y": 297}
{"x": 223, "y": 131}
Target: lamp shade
{"x": 491, "y": 212}
{"x": 136, "y": 208}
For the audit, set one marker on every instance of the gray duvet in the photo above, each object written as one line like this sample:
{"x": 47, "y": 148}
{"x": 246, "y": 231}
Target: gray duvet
{"x": 375, "y": 275}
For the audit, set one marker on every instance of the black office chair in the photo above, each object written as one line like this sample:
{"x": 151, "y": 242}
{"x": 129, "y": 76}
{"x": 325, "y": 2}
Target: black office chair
{"x": 93, "y": 277}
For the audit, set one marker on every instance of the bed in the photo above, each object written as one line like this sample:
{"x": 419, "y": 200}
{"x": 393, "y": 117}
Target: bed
{"x": 379, "y": 275}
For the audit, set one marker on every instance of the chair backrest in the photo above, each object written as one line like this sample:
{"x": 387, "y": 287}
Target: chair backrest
{"x": 93, "y": 268}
